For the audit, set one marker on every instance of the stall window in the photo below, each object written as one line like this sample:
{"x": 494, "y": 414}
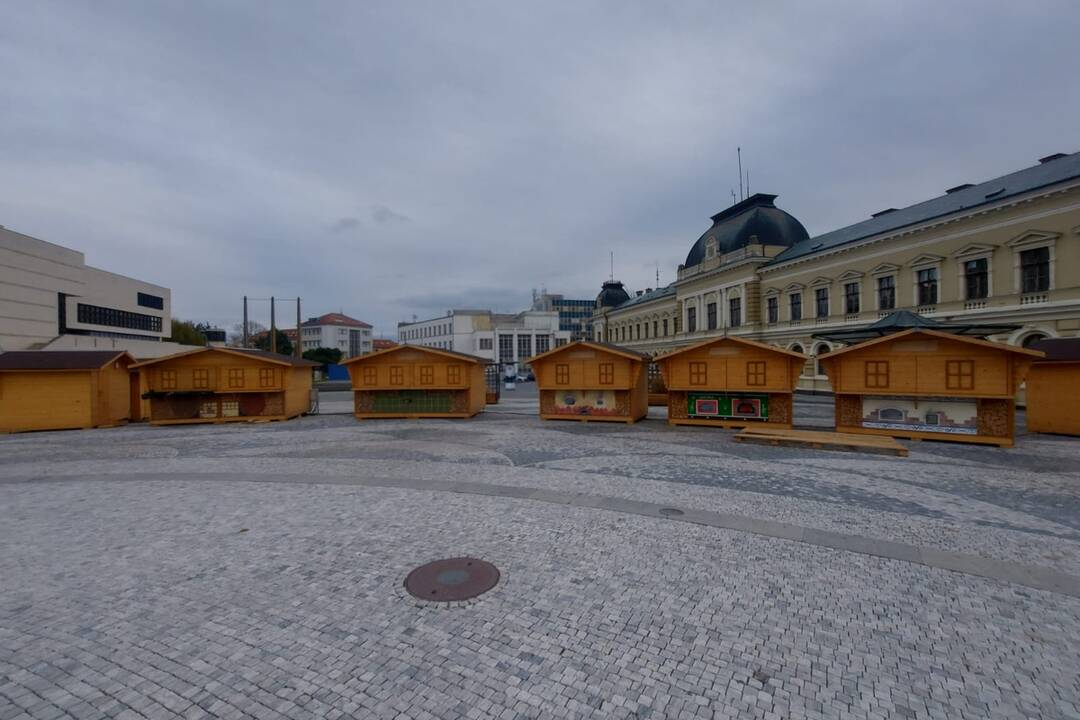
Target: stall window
{"x": 607, "y": 373}
{"x": 371, "y": 376}
{"x": 755, "y": 373}
{"x": 960, "y": 374}
{"x": 699, "y": 374}
{"x": 236, "y": 377}
{"x": 200, "y": 379}
{"x": 877, "y": 373}
{"x": 168, "y": 379}
{"x": 453, "y": 374}
{"x": 266, "y": 377}
{"x": 562, "y": 374}
{"x": 397, "y": 375}
{"x": 427, "y": 375}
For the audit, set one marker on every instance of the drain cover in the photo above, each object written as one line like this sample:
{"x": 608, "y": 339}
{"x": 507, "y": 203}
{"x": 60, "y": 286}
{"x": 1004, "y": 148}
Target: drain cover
{"x": 452, "y": 579}
{"x": 671, "y": 512}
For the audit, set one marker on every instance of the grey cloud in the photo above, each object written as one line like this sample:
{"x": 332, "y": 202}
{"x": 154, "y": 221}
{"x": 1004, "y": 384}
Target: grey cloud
{"x": 385, "y": 216}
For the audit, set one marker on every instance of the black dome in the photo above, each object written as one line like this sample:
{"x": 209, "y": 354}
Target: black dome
{"x": 612, "y": 295}
{"x": 754, "y": 216}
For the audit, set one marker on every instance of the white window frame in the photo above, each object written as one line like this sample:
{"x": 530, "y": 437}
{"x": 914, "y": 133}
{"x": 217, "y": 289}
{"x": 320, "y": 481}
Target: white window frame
{"x": 1033, "y": 240}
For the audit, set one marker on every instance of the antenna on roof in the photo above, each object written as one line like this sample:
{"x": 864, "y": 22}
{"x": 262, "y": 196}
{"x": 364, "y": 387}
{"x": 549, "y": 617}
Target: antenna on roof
{"x": 657, "y": 276}
{"x": 733, "y": 200}
{"x": 739, "y": 150}
{"x": 747, "y": 182}
{"x": 612, "y": 266}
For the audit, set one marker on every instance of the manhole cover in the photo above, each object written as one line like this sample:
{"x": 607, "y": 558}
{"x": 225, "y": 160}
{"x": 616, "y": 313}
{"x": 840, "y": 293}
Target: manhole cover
{"x": 452, "y": 579}
{"x": 671, "y": 512}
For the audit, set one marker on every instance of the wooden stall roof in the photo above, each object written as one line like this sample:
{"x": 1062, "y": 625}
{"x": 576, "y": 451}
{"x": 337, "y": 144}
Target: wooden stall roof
{"x": 605, "y": 347}
{"x": 452, "y": 354}
{"x": 1059, "y": 349}
{"x": 931, "y": 333}
{"x": 729, "y": 339}
{"x": 60, "y": 359}
{"x": 262, "y": 355}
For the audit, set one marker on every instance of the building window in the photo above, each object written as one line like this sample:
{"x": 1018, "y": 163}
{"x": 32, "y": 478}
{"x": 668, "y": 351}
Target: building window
{"x": 151, "y": 301}
{"x": 755, "y": 373}
{"x": 821, "y": 302}
{"x": 559, "y": 342}
{"x": 1034, "y": 270}
{"x": 927, "y": 284}
{"x": 735, "y": 312}
{"x": 655, "y": 327}
{"x": 427, "y": 375}
{"x": 960, "y": 374}
{"x": 699, "y": 373}
{"x": 772, "y": 310}
{"x": 691, "y": 320}
{"x": 371, "y": 376}
{"x": 485, "y": 343}
{"x": 506, "y": 348}
{"x": 397, "y": 375}
{"x": 562, "y": 374}
{"x": 886, "y": 292}
{"x": 877, "y": 373}
{"x": 796, "y": 306}
{"x": 976, "y": 279}
{"x": 168, "y": 379}
{"x": 200, "y": 379}
{"x": 453, "y": 374}
{"x": 95, "y": 315}
{"x": 236, "y": 377}
{"x": 266, "y": 377}
{"x": 665, "y": 327}
{"x": 524, "y": 346}
{"x": 543, "y": 343}
{"x": 851, "y": 298}
{"x": 607, "y": 373}
{"x": 710, "y": 316}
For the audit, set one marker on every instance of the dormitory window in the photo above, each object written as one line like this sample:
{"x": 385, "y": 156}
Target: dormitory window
{"x": 453, "y": 374}
{"x": 735, "y": 312}
{"x": 755, "y": 373}
{"x": 665, "y": 327}
{"x": 655, "y": 327}
{"x": 543, "y": 343}
{"x": 485, "y": 343}
{"x": 796, "y": 306}
{"x": 607, "y": 373}
{"x": 397, "y": 375}
{"x": 151, "y": 301}
{"x": 976, "y": 277}
{"x": 699, "y": 374}
{"x": 691, "y": 319}
{"x": 95, "y": 315}
{"x": 371, "y": 375}
{"x": 772, "y": 308}
{"x": 1034, "y": 270}
{"x": 562, "y": 374}
{"x": 710, "y": 314}
{"x": 266, "y": 377}
{"x": 168, "y": 379}
{"x": 886, "y": 292}
{"x": 851, "y": 298}
{"x": 877, "y": 373}
{"x": 960, "y": 374}
{"x": 200, "y": 379}
{"x": 821, "y": 300}
{"x": 927, "y": 279}
{"x": 427, "y": 375}
{"x": 236, "y": 377}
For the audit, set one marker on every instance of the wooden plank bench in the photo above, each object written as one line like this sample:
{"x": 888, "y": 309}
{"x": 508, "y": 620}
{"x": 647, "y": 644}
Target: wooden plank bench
{"x": 822, "y": 440}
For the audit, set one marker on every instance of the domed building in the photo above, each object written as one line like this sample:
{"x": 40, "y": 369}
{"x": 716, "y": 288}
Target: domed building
{"x": 997, "y": 252}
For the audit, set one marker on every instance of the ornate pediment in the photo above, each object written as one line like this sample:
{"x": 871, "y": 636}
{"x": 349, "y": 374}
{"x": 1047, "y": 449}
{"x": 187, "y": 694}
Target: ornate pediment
{"x": 850, "y": 275}
{"x": 925, "y": 259}
{"x": 794, "y": 287}
{"x": 974, "y": 249}
{"x": 1033, "y": 237}
{"x": 884, "y": 268}
{"x": 819, "y": 281}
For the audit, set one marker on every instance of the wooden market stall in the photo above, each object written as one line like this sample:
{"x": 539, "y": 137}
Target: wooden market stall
{"x": 220, "y": 384}
{"x": 588, "y": 380}
{"x": 731, "y": 382}
{"x": 65, "y": 389}
{"x": 928, "y": 384}
{"x": 412, "y": 381}
{"x": 1053, "y": 386}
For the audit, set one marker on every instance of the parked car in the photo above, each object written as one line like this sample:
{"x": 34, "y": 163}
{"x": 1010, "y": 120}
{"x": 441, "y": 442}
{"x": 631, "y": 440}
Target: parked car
{"x": 524, "y": 377}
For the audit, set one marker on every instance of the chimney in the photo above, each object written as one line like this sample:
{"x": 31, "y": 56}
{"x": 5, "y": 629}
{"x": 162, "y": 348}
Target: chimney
{"x": 639, "y": 293}
{"x": 958, "y": 188}
{"x": 886, "y": 211}
{"x": 1051, "y": 158}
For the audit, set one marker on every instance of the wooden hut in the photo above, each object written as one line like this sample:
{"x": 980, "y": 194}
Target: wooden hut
{"x": 928, "y": 384}
{"x": 587, "y": 380}
{"x": 65, "y": 389}
{"x": 731, "y": 382}
{"x": 1053, "y": 385}
{"x": 217, "y": 385}
{"x": 412, "y": 381}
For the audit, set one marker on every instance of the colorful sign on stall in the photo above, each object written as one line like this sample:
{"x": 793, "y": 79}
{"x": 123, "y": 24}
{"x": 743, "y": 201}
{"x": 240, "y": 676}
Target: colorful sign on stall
{"x": 727, "y": 405}
{"x": 941, "y": 415}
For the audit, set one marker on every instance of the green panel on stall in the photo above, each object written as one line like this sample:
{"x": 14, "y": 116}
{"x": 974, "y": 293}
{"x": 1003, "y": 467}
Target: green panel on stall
{"x": 727, "y": 405}
{"x": 414, "y": 401}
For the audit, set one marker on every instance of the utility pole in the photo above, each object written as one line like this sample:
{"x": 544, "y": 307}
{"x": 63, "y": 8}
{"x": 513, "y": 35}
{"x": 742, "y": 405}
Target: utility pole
{"x": 244, "y": 342}
{"x": 273, "y": 327}
{"x": 296, "y": 350}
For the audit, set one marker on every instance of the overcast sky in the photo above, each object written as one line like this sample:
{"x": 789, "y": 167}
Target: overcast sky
{"x": 403, "y": 158}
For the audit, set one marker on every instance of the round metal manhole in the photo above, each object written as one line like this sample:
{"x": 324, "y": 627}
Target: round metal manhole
{"x": 452, "y": 579}
{"x": 671, "y": 512}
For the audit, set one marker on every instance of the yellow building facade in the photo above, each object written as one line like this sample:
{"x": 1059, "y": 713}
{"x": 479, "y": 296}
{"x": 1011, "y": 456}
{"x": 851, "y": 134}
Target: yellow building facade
{"x": 1004, "y": 251}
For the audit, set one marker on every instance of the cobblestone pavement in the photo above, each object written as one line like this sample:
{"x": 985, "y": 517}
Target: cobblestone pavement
{"x": 244, "y": 571}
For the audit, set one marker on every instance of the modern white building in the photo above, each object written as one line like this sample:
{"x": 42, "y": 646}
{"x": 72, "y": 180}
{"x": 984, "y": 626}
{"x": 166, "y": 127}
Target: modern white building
{"x": 336, "y": 330}
{"x": 48, "y": 293}
{"x": 504, "y": 338}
